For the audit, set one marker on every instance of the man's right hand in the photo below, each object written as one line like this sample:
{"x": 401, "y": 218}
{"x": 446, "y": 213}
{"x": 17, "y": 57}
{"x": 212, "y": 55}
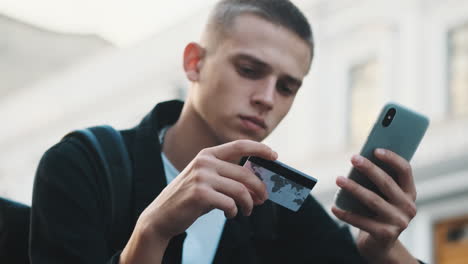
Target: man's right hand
{"x": 210, "y": 181}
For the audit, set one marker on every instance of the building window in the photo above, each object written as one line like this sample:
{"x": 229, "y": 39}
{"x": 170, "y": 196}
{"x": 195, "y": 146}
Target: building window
{"x": 458, "y": 71}
{"x": 451, "y": 240}
{"x": 363, "y": 104}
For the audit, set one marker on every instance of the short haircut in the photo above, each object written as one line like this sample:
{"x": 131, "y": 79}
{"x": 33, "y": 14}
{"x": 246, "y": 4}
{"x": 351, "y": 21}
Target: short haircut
{"x": 279, "y": 12}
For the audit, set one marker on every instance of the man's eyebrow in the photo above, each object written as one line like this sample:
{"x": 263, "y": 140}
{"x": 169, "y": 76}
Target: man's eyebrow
{"x": 252, "y": 59}
{"x": 259, "y": 62}
{"x": 294, "y": 81}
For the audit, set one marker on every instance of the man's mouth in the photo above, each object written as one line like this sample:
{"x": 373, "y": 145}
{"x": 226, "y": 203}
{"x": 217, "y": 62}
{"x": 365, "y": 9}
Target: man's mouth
{"x": 253, "y": 123}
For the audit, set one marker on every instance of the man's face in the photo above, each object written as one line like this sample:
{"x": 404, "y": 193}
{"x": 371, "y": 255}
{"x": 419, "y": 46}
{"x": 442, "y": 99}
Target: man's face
{"x": 248, "y": 83}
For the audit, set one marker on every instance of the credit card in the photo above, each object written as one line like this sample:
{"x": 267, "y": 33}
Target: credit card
{"x": 286, "y": 186}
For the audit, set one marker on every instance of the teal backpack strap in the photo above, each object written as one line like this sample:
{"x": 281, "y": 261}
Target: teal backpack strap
{"x": 111, "y": 152}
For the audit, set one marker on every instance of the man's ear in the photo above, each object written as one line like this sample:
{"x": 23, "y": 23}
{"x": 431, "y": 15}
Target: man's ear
{"x": 193, "y": 58}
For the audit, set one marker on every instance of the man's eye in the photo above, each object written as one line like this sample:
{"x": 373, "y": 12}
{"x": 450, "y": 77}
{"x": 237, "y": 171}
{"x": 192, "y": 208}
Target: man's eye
{"x": 284, "y": 89}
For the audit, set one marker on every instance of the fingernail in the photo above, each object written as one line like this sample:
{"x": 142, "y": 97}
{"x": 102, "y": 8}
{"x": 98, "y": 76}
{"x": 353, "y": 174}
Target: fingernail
{"x": 275, "y": 155}
{"x": 257, "y": 201}
{"x": 380, "y": 151}
{"x": 357, "y": 160}
{"x": 341, "y": 181}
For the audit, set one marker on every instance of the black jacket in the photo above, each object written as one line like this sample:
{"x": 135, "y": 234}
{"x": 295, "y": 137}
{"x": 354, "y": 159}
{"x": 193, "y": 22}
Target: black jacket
{"x": 71, "y": 206}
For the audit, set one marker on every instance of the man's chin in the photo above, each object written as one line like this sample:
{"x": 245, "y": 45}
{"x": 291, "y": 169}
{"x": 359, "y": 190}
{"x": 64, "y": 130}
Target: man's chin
{"x": 248, "y": 136}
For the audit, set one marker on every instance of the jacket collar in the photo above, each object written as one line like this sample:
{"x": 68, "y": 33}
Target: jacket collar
{"x": 149, "y": 176}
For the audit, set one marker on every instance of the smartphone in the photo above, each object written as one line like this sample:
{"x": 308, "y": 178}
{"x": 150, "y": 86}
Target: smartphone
{"x": 398, "y": 129}
{"x": 286, "y": 186}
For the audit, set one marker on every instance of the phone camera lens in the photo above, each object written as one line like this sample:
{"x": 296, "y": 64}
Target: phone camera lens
{"x": 389, "y": 116}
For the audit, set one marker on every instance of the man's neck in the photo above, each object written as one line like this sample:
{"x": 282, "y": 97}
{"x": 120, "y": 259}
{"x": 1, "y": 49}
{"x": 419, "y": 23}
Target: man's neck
{"x": 187, "y": 137}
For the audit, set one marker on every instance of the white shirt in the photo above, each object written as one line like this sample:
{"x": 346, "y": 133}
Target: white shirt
{"x": 204, "y": 234}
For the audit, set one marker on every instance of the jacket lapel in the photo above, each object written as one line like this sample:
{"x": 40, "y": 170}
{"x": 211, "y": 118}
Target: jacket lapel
{"x": 149, "y": 176}
{"x": 236, "y": 234}
{"x": 148, "y": 170}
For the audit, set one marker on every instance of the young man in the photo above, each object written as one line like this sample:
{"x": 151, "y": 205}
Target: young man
{"x": 245, "y": 74}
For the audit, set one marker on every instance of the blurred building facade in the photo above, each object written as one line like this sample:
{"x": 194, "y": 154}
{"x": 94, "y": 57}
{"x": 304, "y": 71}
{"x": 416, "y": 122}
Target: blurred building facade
{"x": 414, "y": 52}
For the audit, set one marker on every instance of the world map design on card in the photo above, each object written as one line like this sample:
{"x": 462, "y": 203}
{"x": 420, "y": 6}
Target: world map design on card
{"x": 280, "y": 190}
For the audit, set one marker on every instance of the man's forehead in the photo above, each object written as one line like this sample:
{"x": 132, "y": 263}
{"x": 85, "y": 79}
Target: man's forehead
{"x": 267, "y": 42}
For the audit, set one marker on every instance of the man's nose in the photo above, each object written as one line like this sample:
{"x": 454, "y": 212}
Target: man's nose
{"x": 264, "y": 95}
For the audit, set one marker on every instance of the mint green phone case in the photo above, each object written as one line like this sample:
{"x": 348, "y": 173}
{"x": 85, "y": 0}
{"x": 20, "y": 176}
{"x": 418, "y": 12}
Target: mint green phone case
{"x": 401, "y": 136}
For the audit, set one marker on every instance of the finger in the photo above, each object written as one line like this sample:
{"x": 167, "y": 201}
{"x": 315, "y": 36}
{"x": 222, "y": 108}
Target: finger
{"x": 383, "y": 232}
{"x": 370, "y": 199}
{"x": 240, "y": 148}
{"x": 402, "y": 168}
{"x": 244, "y": 176}
{"x": 381, "y": 179}
{"x": 222, "y": 202}
{"x": 234, "y": 190}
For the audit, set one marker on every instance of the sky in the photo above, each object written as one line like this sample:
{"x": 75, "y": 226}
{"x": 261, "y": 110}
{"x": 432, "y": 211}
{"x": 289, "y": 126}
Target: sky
{"x": 122, "y": 22}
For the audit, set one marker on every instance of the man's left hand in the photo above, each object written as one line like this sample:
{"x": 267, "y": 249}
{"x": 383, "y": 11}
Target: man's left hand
{"x": 378, "y": 238}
